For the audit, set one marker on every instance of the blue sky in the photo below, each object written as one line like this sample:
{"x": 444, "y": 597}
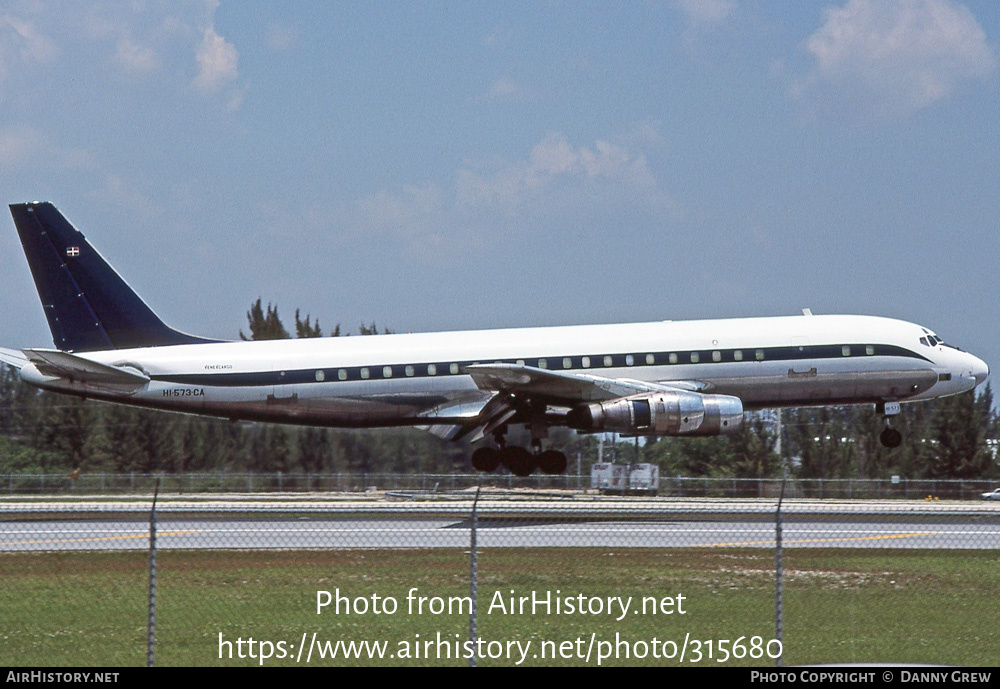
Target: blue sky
{"x": 450, "y": 165}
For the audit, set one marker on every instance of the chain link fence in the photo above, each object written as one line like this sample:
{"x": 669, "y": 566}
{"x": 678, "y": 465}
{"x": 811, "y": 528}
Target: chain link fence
{"x": 518, "y": 576}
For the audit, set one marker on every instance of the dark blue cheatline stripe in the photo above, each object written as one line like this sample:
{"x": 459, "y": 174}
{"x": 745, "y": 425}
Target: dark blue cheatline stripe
{"x": 696, "y": 357}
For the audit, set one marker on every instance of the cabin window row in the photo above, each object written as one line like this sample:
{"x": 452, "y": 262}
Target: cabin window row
{"x": 585, "y": 362}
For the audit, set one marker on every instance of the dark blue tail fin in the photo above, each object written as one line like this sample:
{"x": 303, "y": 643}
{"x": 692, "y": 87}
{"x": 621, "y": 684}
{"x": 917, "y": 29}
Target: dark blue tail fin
{"x": 88, "y": 306}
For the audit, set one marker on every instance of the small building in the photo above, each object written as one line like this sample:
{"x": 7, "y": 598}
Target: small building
{"x": 623, "y": 479}
{"x": 609, "y": 478}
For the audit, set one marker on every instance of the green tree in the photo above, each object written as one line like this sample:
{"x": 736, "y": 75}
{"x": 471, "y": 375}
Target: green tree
{"x": 959, "y": 428}
{"x": 304, "y": 329}
{"x": 264, "y": 325}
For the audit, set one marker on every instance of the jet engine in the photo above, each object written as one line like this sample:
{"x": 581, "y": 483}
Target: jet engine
{"x": 666, "y": 413}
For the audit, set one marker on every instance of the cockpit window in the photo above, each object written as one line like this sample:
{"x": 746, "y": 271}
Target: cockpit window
{"x": 924, "y": 342}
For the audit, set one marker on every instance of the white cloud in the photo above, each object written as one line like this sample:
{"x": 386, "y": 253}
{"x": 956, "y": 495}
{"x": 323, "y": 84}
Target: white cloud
{"x": 505, "y": 88}
{"x": 557, "y": 188}
{"x": 17, "y": 143}
{"x": 20, "y": 36}
{"x": 175, "y": 40}
{"x": 887, "y": 59}
{"x": 24, "y": 145}
{"x": 413, "y": 213}
{"x": 554, "y": 161}
{"x": 217, "y": 61}
{"x": 136, "y": 58}
{"x": 125, "y": 193}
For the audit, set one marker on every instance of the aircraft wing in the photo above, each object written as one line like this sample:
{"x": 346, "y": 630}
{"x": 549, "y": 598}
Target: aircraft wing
{"x": 89, "y": 374}
{"x": 514, "y": 384}
{"x": 568, "y": 387}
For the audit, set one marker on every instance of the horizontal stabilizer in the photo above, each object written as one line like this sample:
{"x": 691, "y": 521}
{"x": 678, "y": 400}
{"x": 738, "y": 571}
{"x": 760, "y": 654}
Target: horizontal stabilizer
{"x": 76, "y": 369}
{"x": 12, "y": 357}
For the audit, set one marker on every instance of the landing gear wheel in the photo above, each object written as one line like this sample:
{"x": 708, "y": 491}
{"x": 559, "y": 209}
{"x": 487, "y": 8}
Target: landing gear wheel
{"x": 485, "y": 459}
{"x": 518, "y": 461}
{"x": 890, "y": 437}
{"x": 552, "y": 462}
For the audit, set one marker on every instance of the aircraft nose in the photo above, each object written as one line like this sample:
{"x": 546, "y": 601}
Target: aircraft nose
{"x": 980, "y": 371}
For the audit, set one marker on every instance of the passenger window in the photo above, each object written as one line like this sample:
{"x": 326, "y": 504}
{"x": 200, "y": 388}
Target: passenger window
{"x": 453, "y": 368}
{"x": 845, "y": 350}
{"x": 567, "y": 362}
{"x": 342, "y": 374}
{"x": 869, "y": 349}
{"x": 607, "y": 361}
{"x": 409, "y": 371}
{"x": 694, "y": 357}
{"x": 364, "y": 373}
{"x": 586, "y": 362}
{"x": 320, "y": 376}
{"x": 650, "y": 359}
{"x": 432, "y": 369}
{"x": 759, "y": 355}
{"x": 738, "y": 355}
{"x": 716, "y": 356}
{"x": 387, "y": 371}
{"x": 672, "y": 358}
{"x": 629, "y": 360}
{"x": 542, "y": 363}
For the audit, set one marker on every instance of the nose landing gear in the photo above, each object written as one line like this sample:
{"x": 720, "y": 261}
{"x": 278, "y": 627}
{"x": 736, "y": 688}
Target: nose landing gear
{"x": 890, "y": 437}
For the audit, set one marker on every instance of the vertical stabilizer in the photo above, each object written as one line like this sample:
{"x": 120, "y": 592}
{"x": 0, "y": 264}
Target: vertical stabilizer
{"x": 87, "y": 304}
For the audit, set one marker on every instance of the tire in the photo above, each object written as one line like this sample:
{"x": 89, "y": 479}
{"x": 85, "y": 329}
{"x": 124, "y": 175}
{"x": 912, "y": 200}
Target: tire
{"x": 552, "y": 462}
{"x": 891, "y": 438}
{"x": 485, "y": 459}
{"x": 518, "y": 461}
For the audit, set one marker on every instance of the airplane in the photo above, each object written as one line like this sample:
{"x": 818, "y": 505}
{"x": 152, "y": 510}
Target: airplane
{"x": 669, "y": 378}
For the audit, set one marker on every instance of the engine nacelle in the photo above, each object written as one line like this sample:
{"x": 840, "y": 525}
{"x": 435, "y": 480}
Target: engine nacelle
{"x": 665, "y": 413}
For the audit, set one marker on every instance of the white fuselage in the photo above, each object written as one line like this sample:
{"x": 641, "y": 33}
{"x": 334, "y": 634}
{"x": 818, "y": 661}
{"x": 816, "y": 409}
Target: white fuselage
{"x": 421, "y": 379}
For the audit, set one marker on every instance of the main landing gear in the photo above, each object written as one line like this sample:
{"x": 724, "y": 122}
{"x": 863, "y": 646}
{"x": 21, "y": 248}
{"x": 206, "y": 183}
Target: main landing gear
{"x": 890, "y": 437}
{"x": 518, "y": 460}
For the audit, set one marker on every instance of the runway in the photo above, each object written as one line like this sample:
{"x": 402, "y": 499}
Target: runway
{"x": 383, "y": 523}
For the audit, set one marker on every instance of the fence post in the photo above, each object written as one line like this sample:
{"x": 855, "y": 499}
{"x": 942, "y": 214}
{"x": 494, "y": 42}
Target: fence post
{"x": 778, "y": 574}
{"x": 473, "y": 578}
{"x": 151, "y": 629}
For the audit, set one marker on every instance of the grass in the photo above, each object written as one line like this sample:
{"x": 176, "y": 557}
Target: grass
{"x": 862, "y": 606}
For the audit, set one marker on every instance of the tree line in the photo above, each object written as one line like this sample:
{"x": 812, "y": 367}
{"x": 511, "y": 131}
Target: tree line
{"x": 47, "y": 433}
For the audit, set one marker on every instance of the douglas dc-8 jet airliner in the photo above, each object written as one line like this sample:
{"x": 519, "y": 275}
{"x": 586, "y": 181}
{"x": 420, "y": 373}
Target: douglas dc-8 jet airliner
{"x": 683, "y": 378}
